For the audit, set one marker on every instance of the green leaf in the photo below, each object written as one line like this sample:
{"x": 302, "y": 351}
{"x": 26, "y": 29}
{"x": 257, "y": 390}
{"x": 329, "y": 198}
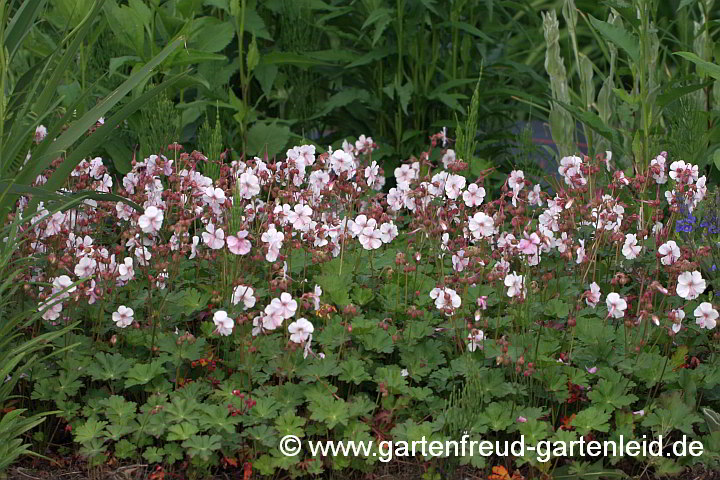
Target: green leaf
{"x": 336, "y": 280}
{"x": 202, "y": 445}
{"x": 118, "y": 410}
{"x": 211, "y": 34}
{"x": 611, "y": 395}
{"x": 330, "y": 411}
{"x": 272, "y": 137}
{"x": 591, "y": 420}
{"x": 108, "y": 366}
{"x": 143, "y": 373}
{"x": 91, "y": 429}
{"x": 703, "y": 66}
{"x": 353, "y": 370}
{"x": 21, "y": 25}
{"x": 181, "y": 431}
{"x": 619, "y": 36}
{"x": 673, "y": 94}
{"x": 153, "y": 454}
{"x": 290, "y": 424}
{"x": 289, "y": 58}
{"x": 343, "y": 98}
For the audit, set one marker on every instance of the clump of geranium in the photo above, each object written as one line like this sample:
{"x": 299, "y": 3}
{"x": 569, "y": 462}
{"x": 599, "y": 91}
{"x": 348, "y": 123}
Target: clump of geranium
{"x": 257, "y": 212}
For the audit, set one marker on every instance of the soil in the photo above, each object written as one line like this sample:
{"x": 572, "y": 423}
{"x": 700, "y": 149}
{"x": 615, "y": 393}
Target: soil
{"x": 39, "y": 469}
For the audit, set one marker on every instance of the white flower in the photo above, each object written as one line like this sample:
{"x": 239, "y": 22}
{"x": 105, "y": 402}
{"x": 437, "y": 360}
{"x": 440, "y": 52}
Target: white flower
{"x": 592, "y": 296}
{"x": 244, "y": 294}
{"x": 454, "y": 185}
{"x": 193, "y": 247}
{"x": 285, "y": 305}
{"x": 123, "y": 317}
{"x": 580, "y": 252}
{"x": 151, "y": 220}
{"x": 459, "y": 261}
{"x": 224, "y": 324}
{"x": 300, "y": 330}
{"x": 706, "y": 316}
{"x": 670, "y": 252}
{"x": 370, "y": 238}
{"x": 237, "y": 244}
{"x": 616, "y": 305}
{"x": 125, "y": 270}
{"x": 690, "y": 285}
{"x": 405, "y": 174}
{"x": 360, "y": 223}
{"x": 679, "y": 314}
{"x": 476, "y": 337}
{"x": 515, "y": 284}
{"x": 300, "y": 217}
{"x": 445, "y": 298}
{"x": 85, "y": 267}
{"x": 40, "y": 133}
{"x": 631, "y": 249}
{"x": 214, "y": 197}
{"x": 248, "y": 185}
{"x": 481, "y": 225}
{"x": 474, "y": 195}
{"x": 534, "y": 197}
{"x": 517, "y": 180}
{"x": 657, "y": 167}
{"x": 272, "y": 237}
{"x": 388, "y": 231}
{"x": 448, "y": 158}
{"x": 214, "y": 238}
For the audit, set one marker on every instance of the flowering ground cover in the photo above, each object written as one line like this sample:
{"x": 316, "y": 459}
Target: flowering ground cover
{"x": 222, "y": 306}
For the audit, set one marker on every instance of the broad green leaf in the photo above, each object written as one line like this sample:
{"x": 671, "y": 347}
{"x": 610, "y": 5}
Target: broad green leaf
{"x": 619, "y": 36}
{"x": 703, "y": 66}
{"x": 270, "y": 138}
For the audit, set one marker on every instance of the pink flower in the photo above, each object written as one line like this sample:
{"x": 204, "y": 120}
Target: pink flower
{"x": 223, "y": 324}
{"x": 517, "y": 180}
{"x": 237, "y": 243}
{"x": 300, "y": 330}
{"x": 248, "y": 185}
{"x": 482, "y": 302}
{"x": 474, "y": 195}
{"x": 214, "y": 238}
{"x": 445, "y": 298}
{"x": 300, "y": 217}
{"x": 85, "y": 267}
{"x": 123, "y": 317}
{"x": 616, "y": 305}
{"x": 454, "y": 185}
{"x": 244, "y": 294}
{"x": 40, "y": 133}
{"x": 388, "y": 231}
{"x": 370, "y": 238}
{"x": 706, "y": 316}
{"x": 631, "y": 249}
{"x": 151, "y": 220}
{"x": 476, "y": 337}
{"x": 515, "y": 284}
{"x": 690, "y": 285}
{"x": 592, "y": 296}
{"x": 285, "y": 305}
{"x": 481, "y": 225}
{"x": 670, "y": 252}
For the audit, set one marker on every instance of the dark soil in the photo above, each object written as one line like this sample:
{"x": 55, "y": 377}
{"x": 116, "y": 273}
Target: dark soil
{"x": 71, "y": 469}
